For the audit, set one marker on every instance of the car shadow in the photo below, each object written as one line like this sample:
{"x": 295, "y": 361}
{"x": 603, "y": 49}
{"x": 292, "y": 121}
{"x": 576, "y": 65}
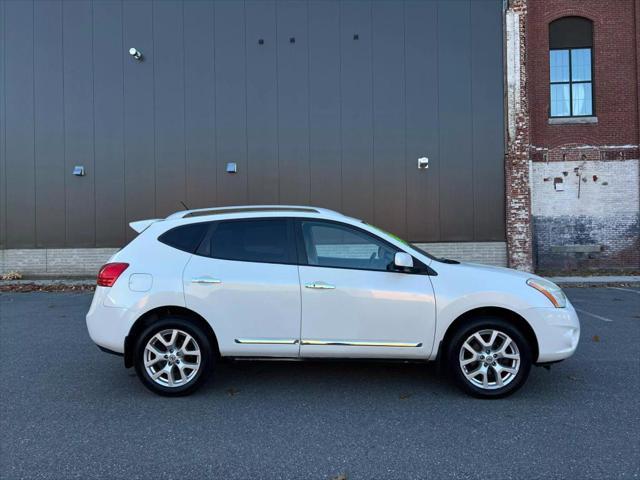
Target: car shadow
{"x": 334, "y": 380}
{"x": 310, "y": 378}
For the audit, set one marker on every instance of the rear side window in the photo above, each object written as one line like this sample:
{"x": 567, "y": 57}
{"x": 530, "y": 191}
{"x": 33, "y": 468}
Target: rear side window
{"x": 186, "y": 237}
{"x": 264, "y": 241}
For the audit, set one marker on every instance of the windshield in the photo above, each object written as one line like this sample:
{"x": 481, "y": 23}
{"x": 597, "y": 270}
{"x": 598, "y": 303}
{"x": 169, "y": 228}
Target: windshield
{"x": 395, "y": 237}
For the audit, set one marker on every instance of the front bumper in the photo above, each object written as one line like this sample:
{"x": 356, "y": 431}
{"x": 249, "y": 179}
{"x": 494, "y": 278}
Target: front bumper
{"x": 557, "y": 331}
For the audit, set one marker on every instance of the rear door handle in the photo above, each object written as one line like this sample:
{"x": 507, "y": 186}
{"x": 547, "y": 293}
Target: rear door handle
{"x": 320, "y": 285}
{"x": 207, "y": 280}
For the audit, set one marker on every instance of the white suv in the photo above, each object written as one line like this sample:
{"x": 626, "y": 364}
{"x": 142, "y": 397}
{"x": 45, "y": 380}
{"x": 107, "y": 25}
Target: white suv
{"x": 303, "y": 283}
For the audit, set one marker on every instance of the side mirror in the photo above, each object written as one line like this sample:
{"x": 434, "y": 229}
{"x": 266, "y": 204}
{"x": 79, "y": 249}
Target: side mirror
{"x": 403, "y": 260}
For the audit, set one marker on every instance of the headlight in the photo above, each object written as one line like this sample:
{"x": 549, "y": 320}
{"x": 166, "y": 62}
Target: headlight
{"x": 550, "y": 290}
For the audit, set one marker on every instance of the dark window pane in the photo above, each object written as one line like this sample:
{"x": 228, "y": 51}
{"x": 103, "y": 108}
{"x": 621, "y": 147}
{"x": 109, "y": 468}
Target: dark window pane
{"x": 252, "y": 241}
{"x": 581, "y": 96}
{"x": 560, "y": 100}
{"x": 333, "y": 245}
{"x": 559, "y": 65}
{"x": 571, "y": 32}
{"x": 185, "y": 237}
{"x": 580, "y": 65}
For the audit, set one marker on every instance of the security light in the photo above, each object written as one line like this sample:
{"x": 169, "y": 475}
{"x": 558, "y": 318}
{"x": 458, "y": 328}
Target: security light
{"x": 135, "y": 54}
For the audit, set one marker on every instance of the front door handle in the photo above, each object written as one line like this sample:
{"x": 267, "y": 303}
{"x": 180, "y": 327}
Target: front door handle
{"x": 207, "y": 280}
{"x": 320, "y": 285}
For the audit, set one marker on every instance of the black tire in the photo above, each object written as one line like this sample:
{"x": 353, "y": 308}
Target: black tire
{"x": 207, "y": 358}
{"x": 477, "y": 325}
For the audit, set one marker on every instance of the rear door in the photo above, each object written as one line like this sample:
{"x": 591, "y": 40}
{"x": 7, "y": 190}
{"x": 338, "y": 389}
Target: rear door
{"x": 244, "y": 280}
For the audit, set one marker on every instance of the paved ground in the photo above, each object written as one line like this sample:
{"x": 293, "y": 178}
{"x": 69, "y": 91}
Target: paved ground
{"x": 70, "y": 411}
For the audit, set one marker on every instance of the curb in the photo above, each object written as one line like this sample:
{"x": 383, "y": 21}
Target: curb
{"x": 605, "y": 280}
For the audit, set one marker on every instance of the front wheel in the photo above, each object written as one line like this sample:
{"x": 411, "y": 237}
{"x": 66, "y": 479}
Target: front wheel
{"x": 173, "y": 356}
{"x": 489, "y": 358}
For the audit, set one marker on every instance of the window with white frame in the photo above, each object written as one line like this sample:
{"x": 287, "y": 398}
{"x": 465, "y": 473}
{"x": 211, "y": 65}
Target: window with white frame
{"x": 571, "y": 67}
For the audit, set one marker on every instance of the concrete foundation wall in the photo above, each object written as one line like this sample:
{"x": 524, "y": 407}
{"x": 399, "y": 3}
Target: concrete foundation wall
{"x": 87, "y": 261}
{"x": 488, "y": 253}
{"x": 55, "y": 262}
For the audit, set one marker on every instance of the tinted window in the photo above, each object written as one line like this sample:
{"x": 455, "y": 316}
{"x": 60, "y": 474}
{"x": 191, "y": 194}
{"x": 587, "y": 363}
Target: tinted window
{"x": 185, "y": 237}
{"x": 334, "y": 245}
{"x": 266, "y": 241}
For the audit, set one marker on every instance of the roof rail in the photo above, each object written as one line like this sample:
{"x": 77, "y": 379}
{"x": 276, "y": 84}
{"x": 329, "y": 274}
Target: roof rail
{"x": 249, "y": 209}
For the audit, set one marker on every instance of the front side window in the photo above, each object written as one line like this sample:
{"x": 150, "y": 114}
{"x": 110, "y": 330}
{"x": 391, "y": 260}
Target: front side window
{"x": 263, "y": 241}
{"x": 570, "y": 67}
{"x": 342, "y": 246}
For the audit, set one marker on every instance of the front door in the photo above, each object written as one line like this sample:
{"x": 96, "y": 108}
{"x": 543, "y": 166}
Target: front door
{"x": 244, "y": 281}
{"x": 352, "y": 305}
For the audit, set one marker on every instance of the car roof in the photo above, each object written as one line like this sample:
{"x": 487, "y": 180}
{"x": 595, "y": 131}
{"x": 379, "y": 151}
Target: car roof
{"x": 256, "y": 210}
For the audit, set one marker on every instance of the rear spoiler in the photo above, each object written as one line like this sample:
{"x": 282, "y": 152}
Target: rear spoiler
{"x": 142, "y": 225}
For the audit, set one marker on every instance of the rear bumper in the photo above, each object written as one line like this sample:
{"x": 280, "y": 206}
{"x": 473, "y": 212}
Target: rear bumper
{"x": 108, "y": 326}
{"x": 557, "y": 331}
{"x": 106, "y": 350}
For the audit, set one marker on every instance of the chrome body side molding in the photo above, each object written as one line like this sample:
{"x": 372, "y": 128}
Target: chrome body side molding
{"x": 266, "y": 341}
{"x": 361, "y": 344}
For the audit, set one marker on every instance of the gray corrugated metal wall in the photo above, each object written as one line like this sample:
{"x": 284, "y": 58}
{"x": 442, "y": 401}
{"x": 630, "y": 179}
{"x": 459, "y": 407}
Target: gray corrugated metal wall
{"x": 332, "y": 109}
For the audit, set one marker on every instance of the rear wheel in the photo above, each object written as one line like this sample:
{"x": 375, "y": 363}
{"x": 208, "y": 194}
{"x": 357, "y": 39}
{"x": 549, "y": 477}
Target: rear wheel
{"x": 489, "y": 358}
{"x": 173, "y": 356}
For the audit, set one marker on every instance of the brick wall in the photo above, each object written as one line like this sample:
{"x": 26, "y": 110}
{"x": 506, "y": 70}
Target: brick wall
{"x": 518, "y": 201}
{"x": 584, "y": 175}
{"x": 585, "y": 215}
{"x": 615, "y": 74}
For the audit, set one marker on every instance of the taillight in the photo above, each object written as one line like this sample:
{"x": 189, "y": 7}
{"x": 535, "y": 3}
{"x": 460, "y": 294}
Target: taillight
{"x": 109, "y": 273}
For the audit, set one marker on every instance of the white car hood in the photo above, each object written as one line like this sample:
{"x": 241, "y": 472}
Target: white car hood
{"x": 490, "y": 269}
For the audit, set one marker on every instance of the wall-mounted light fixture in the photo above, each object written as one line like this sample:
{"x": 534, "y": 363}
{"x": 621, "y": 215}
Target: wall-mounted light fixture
{"x": 423, "y": 163}
{"x": 136, "y": 54}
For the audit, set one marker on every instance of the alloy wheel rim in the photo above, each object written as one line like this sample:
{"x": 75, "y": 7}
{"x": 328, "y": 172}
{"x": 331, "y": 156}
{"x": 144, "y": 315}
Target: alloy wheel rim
{"x": 489, "y": 359}
{"x": 172, "y": 358}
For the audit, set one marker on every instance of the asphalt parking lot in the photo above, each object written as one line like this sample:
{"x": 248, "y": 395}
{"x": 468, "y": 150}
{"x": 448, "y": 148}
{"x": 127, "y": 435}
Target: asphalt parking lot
{"x": 71, "y": 411}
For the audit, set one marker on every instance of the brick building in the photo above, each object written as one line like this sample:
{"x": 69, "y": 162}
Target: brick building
{"x": 527, "y": 109}
{"x": 577, "y": 134}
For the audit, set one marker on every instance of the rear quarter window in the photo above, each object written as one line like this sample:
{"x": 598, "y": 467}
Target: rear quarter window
{"x": 185, "y": 237}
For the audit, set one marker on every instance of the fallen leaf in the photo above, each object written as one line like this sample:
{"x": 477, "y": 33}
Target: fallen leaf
{"x": 33, "y": 287}
{"x": 342, "y": 476}
{"x": 232, "y": 392}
